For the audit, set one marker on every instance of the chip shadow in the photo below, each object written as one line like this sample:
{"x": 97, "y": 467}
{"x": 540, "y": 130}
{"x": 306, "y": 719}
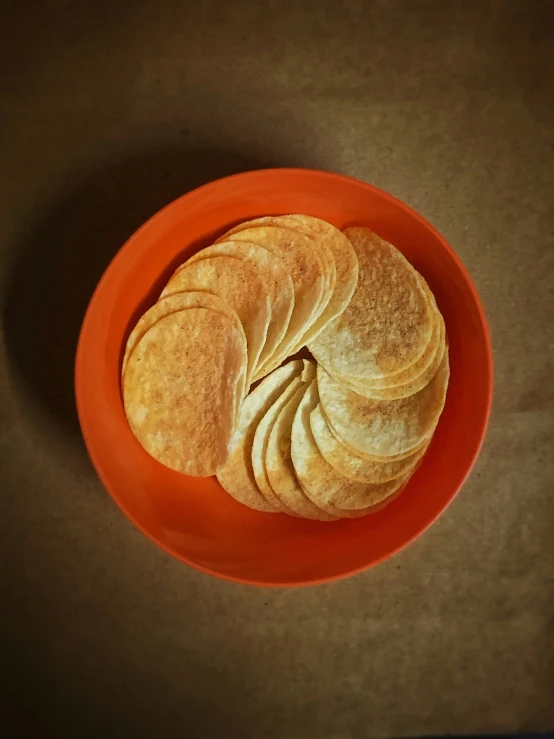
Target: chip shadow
{"x": 63, "y": 255}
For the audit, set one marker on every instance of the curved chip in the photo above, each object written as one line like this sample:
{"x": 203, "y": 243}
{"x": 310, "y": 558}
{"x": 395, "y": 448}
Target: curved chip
{"x": 327, "y": 489}
{"x": 323, "y": 252}
{"x": 276, "y": 279}
{"x": 237, "y": 474}
{"x": 239, "y": 284}
{"x": 383, "y": 427}
{"x": 352, "y": 466}
{"x": 180, "y": 389}
{"x": 403, "y": 391}
{"x": 346, "y": 267}
{"x": 280, "y": 469}
{"x": 263, "y": 430}
{"x": 306, "y": 270}
{"x": 388, "y": 322}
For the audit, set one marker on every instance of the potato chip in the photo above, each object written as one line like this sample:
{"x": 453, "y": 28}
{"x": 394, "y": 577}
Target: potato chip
{"x": 261, "y": 436}
{"x": 320, "y": 247}
{"x": 402, "y": 391}
{"x": 388, "y": 323}
{"x": 383, "y": 427}
{"x": 237, "y": 474}
{"x": 280, "y": 469}
{"x": 351, "y": 465}
{"x": 182, "y": 301}
{"x": 346, "y": 268}
{"x": 275, "y": 277}
{"x": 326, "y": 488}
{"x": 239, "y": 284}
{"x": 180, "y": 389}
{"x": 306, "y": 270}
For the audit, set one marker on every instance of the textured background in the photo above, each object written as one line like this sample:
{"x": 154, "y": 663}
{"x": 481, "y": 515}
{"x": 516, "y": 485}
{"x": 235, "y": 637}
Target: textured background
{"x": 108, "y": 111}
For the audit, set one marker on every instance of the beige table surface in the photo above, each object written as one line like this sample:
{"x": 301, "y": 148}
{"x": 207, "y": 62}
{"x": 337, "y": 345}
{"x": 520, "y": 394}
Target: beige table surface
{"x": 108, "y": 111}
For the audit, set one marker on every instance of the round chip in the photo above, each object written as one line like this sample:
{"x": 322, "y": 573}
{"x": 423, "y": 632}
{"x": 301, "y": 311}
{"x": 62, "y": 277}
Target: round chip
{"x": 383, "y": 427}
{"x": 276, "y": 279}
{"x": 409, "y": 381}
{"x": 327, "y": 489}
{"x": 237, "y": 474}
{"x": 180, "y": 389}
{"x": 239, "y": 284}
{"x": 306, "y": 270}
{"x": 351, "y": 465}
{"x": 182, "y": 301}
{"x": 402, "y": 391}
{"x": 388, "y": 323}
{"x": 280, "y": 469}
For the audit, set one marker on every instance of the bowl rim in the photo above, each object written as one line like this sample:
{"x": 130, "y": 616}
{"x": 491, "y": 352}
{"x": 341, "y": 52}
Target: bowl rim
{"x": 489, "y": 379}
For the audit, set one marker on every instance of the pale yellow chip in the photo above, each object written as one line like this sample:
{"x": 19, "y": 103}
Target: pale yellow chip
{"x": 388, "y": 323}
{"x": 261, "y": 437}
{"x": 352, "y": 466}
{"x": 306, "y": 270}
{"x": 239, "y": 284}
{"x": 327, "y": 489}
{"x": 263, "y": 430}
{"x": 409, "y": 388}
{"x": 237, "y": 474}
{"x": 180, "y": 389}
{"x": 409, "y": 381}
{"x": 279, "y": 465}
{"x": 383, "y": 427}
{"x": 276, "y": 279}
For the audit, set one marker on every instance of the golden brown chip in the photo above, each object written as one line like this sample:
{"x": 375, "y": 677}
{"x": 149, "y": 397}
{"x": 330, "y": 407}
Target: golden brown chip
{"x": 346, "y": 268}
{"x": 388, "y": 323}
{"x": 327, "y": 489}
{"x": 352, "y": 466}
{"x": 383, "y": 427}
{"x": 275, "y": 277}
{"x": 237, "y": 474}
{"x": 180, "y": 389}
{"x": 320, "y": 247}
{"x": 177, "y": 302}
{"x": 306, "y": 270}
{"x": 239, "y": 284}
{"x": 280, "y": 469}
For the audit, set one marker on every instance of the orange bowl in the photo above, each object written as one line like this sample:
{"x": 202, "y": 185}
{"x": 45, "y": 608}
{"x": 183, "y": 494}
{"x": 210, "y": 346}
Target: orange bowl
{"x": 193, "y": 518}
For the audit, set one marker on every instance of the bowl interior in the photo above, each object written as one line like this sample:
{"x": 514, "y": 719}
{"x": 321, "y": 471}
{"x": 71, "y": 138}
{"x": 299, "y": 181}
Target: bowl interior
{"x": 193, "y": 518}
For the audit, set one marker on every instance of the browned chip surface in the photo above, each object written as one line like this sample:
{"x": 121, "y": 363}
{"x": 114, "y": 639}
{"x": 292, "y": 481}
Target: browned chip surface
{"x": 239, "y": 284}
{"x": 346, "y": 267}
{"x": 180, "y": 389}
{"x": 306, "y": 270}
{"x": 388, "y": 322}
{"x": 172, "y": 304}
{"x": 276, "y": 279}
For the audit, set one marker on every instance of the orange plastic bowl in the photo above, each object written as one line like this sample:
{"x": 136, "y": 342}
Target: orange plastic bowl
{"x": 193, "y": 518}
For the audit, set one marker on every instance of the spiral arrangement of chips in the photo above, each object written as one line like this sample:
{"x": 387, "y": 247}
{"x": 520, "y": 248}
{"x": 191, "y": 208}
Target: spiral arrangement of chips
{"x": 333, "y": 438}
